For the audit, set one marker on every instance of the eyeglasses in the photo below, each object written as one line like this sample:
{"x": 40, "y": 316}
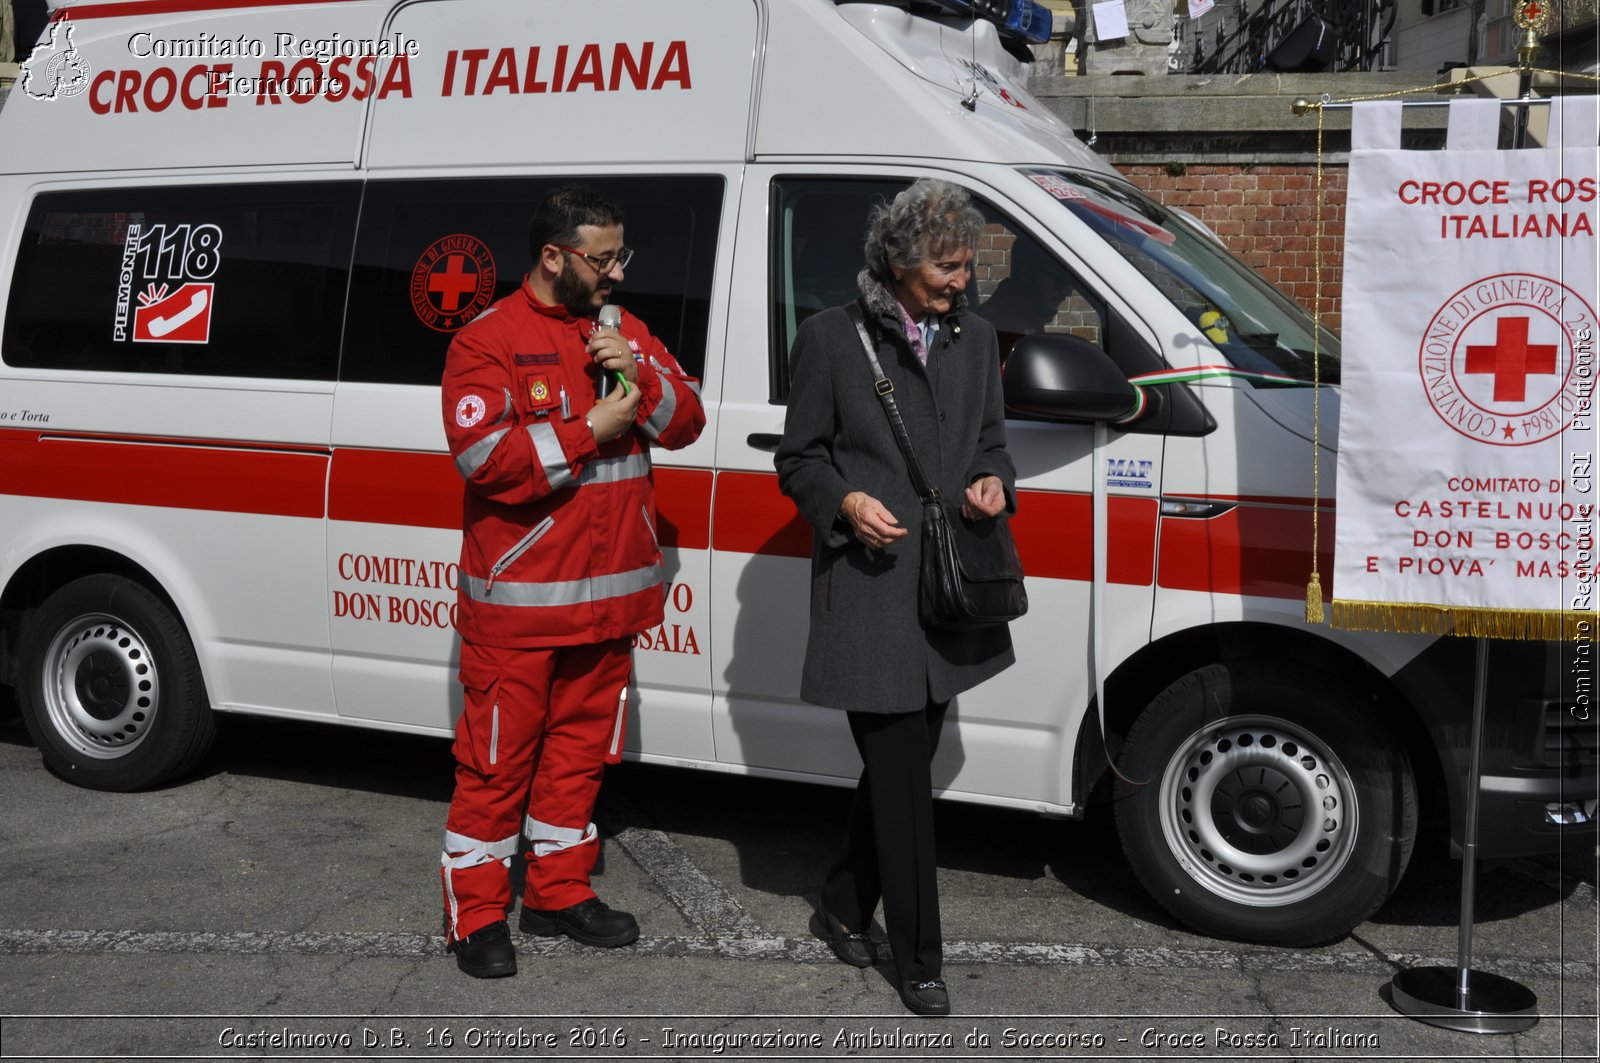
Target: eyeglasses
{"x": 602, "y": 264}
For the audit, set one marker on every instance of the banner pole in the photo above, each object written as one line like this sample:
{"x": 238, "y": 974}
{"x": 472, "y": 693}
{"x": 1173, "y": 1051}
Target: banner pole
{"x": 1463, "y": 999}
{"x": 1469, "y": 838}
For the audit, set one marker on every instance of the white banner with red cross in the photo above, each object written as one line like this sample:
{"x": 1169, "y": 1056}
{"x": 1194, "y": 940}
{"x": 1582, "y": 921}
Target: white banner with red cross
{"x": 1466, "y": 485}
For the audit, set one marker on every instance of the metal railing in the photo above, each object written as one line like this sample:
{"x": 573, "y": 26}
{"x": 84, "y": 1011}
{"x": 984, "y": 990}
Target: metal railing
{"x": 1249, "y": 36}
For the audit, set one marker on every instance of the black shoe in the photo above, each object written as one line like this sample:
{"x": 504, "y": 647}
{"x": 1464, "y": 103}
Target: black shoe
{"x": 487, "y": 952}
{"x": 925, "y": 998}
{"x": 589, "y": 922}
{"x": 851, "y": 947}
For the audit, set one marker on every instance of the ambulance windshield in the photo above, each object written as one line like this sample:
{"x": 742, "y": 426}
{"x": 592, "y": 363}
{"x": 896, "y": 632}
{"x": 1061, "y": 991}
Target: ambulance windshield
{"x": 1252, "y": 324}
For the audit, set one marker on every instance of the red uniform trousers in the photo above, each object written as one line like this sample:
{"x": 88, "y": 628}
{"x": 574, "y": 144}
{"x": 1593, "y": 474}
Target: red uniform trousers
{"x": 531, "y": 746}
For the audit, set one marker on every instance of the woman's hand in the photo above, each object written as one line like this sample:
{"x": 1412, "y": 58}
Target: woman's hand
{"x": 986, "y": 497}
{"x": 874, "y": 525}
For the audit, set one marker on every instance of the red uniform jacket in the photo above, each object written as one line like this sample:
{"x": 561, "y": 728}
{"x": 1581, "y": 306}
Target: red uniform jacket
{"x": 559, "y": 544}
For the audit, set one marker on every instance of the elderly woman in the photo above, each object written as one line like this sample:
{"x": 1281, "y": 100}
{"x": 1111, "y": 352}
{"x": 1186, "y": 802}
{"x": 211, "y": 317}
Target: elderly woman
{"x": 868, "y": 653}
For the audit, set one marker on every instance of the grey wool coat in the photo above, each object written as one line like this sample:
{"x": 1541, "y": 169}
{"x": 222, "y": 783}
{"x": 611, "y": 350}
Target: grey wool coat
{"x": 867, "y": 650}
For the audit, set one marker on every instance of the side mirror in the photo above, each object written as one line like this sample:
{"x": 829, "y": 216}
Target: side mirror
{"x": 1064, "y": 378}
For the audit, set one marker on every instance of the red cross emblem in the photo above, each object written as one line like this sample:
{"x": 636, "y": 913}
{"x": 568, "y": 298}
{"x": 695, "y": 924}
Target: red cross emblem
{"x": 1511, "y": 359}
{"x": 452, "y": 282}
{"x": 470, "y": 410}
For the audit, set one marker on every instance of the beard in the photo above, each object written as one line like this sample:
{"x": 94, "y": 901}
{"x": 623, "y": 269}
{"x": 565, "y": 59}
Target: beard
{"x": 574, "y": 292}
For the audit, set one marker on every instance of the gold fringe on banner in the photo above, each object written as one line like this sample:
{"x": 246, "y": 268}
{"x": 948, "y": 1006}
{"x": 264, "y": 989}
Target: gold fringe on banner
{"x": 1420, "y": 619}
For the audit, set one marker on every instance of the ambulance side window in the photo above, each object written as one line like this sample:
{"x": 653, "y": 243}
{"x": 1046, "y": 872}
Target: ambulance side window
{"x": 219, "y": 280}
{"x": 433, "y": 254}
{"x": 819, "y": 228}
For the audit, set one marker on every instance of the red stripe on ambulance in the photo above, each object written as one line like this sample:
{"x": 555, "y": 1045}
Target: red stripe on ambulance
{"x": 424, "y": 491}
{"x": 1257, "y": 550}
{"x": 1052, "y": 529}
{"x": 144, "y": 8}
{"x": 226, "y": 477}
{"x": 1249, "y": 550}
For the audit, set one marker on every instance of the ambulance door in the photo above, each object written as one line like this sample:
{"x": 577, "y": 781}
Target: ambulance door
{"x": 433, "y": 252}
{"x": 1013, "y": 735}
{"x": 170, "y": 353}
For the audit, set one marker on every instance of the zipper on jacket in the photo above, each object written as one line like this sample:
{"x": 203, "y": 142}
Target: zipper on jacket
{"x": 645, "y": 513}
{"x": 511, "y": 555}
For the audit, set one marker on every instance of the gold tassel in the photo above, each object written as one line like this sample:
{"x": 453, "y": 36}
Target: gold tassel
{"x": 1314, "y": 599}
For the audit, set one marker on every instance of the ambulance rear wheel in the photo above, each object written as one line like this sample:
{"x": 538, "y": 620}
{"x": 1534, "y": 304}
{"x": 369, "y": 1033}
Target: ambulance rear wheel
{"x": 110, "y": 687}
{"x": 1276, "y": 805}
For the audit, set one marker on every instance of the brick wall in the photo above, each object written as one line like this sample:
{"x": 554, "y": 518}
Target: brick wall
{"x": 1267, "y": 216}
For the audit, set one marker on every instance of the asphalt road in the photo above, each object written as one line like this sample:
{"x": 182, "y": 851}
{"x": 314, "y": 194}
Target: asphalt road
{"x": 284, "y": 903}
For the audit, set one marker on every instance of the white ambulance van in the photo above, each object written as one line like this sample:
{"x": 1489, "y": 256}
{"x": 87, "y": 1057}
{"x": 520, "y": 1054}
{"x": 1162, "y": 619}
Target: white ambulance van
{"x": 235, "y": 240}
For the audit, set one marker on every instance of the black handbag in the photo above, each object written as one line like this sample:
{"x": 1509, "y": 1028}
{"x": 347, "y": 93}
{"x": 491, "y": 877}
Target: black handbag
{"x": 971, "y": 573}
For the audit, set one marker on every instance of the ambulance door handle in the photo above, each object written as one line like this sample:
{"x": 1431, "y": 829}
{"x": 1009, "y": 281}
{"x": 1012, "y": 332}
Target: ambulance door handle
{"x": 764, "y": 440}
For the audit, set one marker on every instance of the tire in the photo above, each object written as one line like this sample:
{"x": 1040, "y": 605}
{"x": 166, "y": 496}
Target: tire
{"x": 1277, "y": 805}
{"x": 110, "y": 687}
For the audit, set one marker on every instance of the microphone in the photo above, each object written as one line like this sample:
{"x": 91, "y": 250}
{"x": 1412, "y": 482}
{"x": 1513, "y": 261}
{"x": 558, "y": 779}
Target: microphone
{"x": 610, "y": 318}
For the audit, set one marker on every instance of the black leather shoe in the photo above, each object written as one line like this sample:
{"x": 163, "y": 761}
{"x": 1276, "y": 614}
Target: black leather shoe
{"x": 487, "y": 952}
{"x": 589, "y": 922}
{"x": 925, "y": 998}
{"x": 851, "y": 947}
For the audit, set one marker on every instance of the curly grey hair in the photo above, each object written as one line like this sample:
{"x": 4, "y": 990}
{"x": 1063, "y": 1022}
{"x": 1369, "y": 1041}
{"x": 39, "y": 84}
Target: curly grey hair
{"x": 927, "y": 219}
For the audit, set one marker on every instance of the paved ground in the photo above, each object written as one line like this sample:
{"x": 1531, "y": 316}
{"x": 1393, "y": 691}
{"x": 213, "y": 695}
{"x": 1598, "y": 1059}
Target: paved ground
{"x": 283, "y": 904}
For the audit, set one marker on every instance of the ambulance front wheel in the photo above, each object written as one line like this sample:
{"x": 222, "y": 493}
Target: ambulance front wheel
{"x": 1266, "y": 804}
{"x": 110, "y": 687}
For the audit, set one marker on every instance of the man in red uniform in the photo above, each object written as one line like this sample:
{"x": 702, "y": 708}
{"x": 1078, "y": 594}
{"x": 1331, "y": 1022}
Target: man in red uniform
{"x": 560, "y": 567}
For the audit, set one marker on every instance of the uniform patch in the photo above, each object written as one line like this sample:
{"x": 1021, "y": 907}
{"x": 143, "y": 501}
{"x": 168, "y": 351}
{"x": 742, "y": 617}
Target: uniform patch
{"x": 537, "y": 359}
{"x": 537, "y": 387}
{"x": 470, "y": 410}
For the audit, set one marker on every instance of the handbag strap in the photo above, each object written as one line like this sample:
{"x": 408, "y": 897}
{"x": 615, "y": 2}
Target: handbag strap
{"x": 885, "y": 389}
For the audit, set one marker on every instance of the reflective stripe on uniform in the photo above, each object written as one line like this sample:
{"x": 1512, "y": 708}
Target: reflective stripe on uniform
{"x": 615, "y": 470}
{"x": 469, "y": 461}
{"x": 548, "y": 838}
{"x": 564, "y": 592}
{"x": 548, "y": 446}
{"x": 470, "y": 852}
{"x": 661, "y": 416}
{"x": 494, "y": 736}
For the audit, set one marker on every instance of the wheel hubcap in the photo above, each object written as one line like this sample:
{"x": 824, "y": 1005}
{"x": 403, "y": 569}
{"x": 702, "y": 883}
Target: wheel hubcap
{"x": 101, "y": 687}
{"x": 1258, "y": 811}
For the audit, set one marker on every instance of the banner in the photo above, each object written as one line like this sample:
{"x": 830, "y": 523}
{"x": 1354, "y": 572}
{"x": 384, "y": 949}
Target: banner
{"x": 1466, "y": 490}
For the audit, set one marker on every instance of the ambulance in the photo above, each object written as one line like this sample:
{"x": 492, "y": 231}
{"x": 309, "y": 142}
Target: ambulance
{"x": 236, "y": 239}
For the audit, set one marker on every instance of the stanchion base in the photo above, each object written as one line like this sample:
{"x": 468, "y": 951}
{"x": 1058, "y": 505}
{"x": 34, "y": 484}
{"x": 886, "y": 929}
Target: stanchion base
{"x": 1493, "y": 1005}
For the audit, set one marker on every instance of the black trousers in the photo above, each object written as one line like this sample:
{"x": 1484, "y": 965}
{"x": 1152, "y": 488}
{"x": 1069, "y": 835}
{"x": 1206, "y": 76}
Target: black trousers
{"x": 888, "y": 852}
